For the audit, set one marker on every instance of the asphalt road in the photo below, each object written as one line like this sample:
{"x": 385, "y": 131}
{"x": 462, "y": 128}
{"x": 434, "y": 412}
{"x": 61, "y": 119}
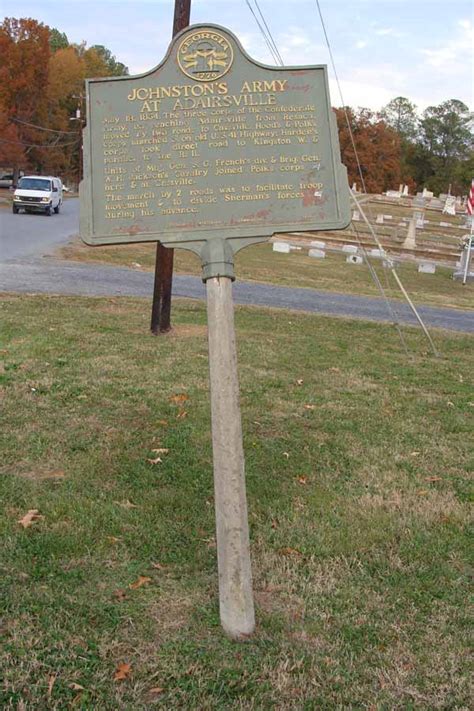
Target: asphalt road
{"x": 24, "y": 238}
{"x": 31, "y": 234}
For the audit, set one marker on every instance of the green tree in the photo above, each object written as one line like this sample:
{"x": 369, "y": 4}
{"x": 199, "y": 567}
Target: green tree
{"x": 57, "y": 40}
{"x": 400, "y": 114}
{"x": 117, "y": 69}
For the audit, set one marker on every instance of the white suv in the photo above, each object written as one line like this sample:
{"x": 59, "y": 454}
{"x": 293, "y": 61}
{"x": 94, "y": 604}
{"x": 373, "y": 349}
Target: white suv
{"x": 38, "y": 193}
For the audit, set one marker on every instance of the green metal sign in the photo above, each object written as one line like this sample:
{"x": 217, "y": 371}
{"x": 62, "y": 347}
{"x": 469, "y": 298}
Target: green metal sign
{"x": 211, "y": 151}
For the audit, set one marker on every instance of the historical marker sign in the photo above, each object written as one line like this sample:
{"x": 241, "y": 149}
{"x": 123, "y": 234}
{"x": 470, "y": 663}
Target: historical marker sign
{"x": 210, "y": 144}
{"x": 212, "y": 151}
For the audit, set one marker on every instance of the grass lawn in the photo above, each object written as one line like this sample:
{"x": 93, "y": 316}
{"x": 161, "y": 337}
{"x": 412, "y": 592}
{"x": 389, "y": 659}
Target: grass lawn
{"x": 259, "y": 263}
{"x": 357, "y": 472}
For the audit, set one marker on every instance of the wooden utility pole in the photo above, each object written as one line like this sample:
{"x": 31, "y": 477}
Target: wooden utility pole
{"x": 161, "y": 306}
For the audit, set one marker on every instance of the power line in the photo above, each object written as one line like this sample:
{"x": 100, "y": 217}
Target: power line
{"x": 40, "y": 145}
{"x": 269, "y": 32}
{"x": 268, "y": 42}
{"x": 40, "y": 128}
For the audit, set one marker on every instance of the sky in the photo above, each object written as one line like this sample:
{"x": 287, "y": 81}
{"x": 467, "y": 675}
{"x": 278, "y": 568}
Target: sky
{"x": 420, "y": 49}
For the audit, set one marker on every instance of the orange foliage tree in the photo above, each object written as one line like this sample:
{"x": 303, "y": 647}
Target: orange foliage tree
{"x": 378, "y": 148}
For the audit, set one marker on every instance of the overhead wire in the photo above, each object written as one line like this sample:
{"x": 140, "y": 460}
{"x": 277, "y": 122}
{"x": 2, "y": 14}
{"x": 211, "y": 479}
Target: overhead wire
{"x": 371, "y": 229}
{"x": 274, "y": 54}
{"x": 40, "y": 128}
{"x": 277, "y": 51}
{"x": 40, "y": 145}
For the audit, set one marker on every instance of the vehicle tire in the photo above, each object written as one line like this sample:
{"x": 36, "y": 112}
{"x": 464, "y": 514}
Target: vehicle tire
{"x": 56, "y": 209}
{"x": 15, "y": 209}
{"x": 48, "y": 211}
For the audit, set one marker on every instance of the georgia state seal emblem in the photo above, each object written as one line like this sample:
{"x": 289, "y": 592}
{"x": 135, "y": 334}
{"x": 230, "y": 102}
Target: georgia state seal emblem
{"x": 205, "y": 55}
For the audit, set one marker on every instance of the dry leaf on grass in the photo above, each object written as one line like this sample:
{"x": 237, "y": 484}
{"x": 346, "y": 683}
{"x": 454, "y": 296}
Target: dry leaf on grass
{"x": 126, "y": 504}
{"x": 160, "y": 450}
{"x": 286, "y": 454}
{"x": 139, "y": 582}
{"x": 157, "y": 566}
{"x": 155, "y": 691}
{"x": 157, "y": 460}
{"x": 163, "y": 423}
{"x": 51, "y": 681}
{"x": 309, "y": 407}
{"x": 122, "y": 672}
{"x": 290, "y": 551}
{"x": 302, "y": 480}
{"x": 119, "y": 595}
{"x": 178, "y": 399}
{"x": 433, "y": 478}
{"x": 76, "y": 687}
{"x": 181, "y": 415}
{"x": 29, "y": 518}
{"x": 299, "y": 381}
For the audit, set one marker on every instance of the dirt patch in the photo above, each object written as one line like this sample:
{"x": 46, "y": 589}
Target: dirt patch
{"x": 38, "y": 474}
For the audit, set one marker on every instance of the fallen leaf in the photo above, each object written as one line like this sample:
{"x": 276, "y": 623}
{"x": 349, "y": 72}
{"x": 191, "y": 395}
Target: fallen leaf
{"x": 290, "y": 551}
{"x": 122, "y": 672}
{"x": 29, "y": 518}
{"x": 414, "y": 454}
{"x": 433, "y": 478}
{"x": 181, "y": 415}
{"x": 450, "y": 404}
{"x": 119, "y": 595}
{"x": 163, "y": 423}
{"x": 157, "y": 566}
{"x": 335, "y": 370}
{"x": 156, "y": 690}
{"x": 423, "y": 492}
{"x": 161, "y": 450}
{"x": 274, "y": 523}
{"x": 310, "y": 407}
{"x": 299, "y": 381}
{"x": 286, "y": 454}
{"x": 302, "y": 479}
{"x": 139, "y": 582}
{"x": 126, "y": 504}
{"x": 113, "y": 539}
{"x": 51, "y": 681}
{"x": 178, "y": 399}
{"x": 76, "y": 687}
{"x": 158, "y": 460}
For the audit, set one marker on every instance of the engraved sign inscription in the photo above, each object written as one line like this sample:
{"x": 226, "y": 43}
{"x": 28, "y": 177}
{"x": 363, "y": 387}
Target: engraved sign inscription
{"x": 210, "y": 145}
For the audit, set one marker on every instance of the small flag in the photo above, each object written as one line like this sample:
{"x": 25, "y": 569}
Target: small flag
{"x": 470, "y": 200}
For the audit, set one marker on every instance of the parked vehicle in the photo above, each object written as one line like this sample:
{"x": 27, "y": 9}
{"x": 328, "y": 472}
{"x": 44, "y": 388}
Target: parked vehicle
{"x": 38, "y": 193}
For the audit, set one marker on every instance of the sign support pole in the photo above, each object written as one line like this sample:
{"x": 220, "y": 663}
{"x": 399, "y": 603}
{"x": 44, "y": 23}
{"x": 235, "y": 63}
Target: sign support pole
{"x": 232, "y": 533}
{"x": 161, "y": 304}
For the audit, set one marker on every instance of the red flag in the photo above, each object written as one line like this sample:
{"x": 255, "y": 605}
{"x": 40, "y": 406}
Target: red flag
{"x": 470, "y": 200}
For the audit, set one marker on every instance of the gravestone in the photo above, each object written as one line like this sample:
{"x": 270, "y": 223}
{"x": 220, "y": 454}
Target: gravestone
{"x": 427, "y": 268}
{"x": 379, "y": 220}
{"x": 317, "y": 253}
{"x": 356, "y": 216}
{"x": 410, "y": 239}
{"x": 349, "y": 248}
{"x": 450, "y": 205}
{"x": 317, "y": 245}
{"x": 281, "y": 247}
{"x": 405, "y": 191}
{"x": 354, "y": 259}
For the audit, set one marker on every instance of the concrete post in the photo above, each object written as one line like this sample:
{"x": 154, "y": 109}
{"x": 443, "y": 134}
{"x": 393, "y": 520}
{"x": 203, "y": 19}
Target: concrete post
{"x": 233, "y": 548}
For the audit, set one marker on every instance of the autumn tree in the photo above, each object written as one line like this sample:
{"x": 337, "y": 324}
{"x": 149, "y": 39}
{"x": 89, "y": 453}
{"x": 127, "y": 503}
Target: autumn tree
{"x": 116, "y": 69}
{"x": 24, "y": 49}
{"x": 377, "y": 145}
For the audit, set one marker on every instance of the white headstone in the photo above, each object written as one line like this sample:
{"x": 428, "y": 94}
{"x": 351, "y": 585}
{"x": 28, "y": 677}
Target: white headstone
{"x": 379, "y": 220}
{"x": 354, "y": 259}
{"x": 392, "y": 194}
{"x": 427, "y": 193}
{"x": 450, "y": 206}
{"x": 349, "y": 248}
{"x": 427, "y": 268}
{"x": 317, "y": 253}
{"x": 293, "y": 248}
{"x": 405, "y": 190}
{"x": 400, "y": 188}
{"x": 410, "y": 239}
{"x": 387, "y": 217}
{"x": 354, "y": 187}
{"x": 281, "y": 247}
{"x": 446, "y": 224}
{"x": 377, "y": 253}
{"x": 318, "y": 245}
{"x": 356, "y": 216}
